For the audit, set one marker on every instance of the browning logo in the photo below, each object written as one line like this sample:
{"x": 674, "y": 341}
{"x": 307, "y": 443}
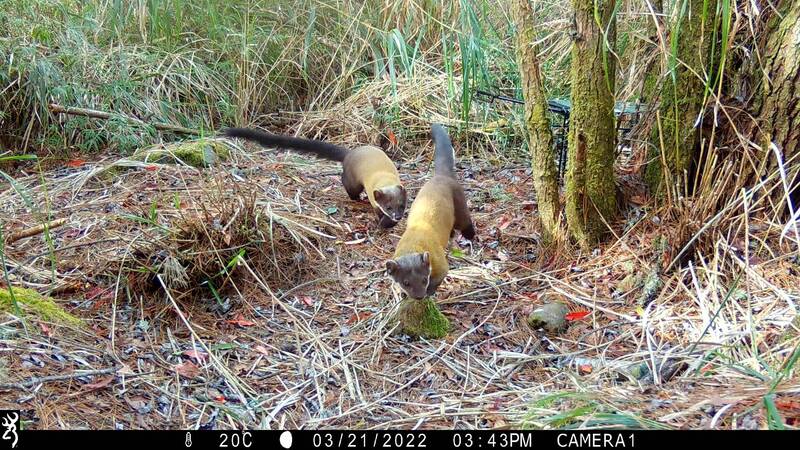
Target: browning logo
{"x": 9, "y": 422}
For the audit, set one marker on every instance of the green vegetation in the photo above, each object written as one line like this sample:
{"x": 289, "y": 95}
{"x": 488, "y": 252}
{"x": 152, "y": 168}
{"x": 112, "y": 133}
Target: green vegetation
{"x": 199, "y": 153}
{"x": 15, "y": 300}
{"x": 421, "y": 319}
{"x": 206, "y": 64}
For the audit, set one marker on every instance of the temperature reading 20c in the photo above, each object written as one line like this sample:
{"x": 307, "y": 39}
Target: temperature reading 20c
{"x": 236, "y": 440}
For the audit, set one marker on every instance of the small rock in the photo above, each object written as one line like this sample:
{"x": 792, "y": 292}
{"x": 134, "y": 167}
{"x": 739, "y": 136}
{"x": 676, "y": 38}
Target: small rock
{"x": 551, "y": 317}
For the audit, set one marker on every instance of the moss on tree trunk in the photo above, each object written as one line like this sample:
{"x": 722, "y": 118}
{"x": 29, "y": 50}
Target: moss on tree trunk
{"x": 590, "y": 187}
{"x": 652, "y": 71}
{"x": 540, "y": 137}
{"x": 683, "y": 95}
{"x": 776, "y": 106}
{"x": 421, "y": 318}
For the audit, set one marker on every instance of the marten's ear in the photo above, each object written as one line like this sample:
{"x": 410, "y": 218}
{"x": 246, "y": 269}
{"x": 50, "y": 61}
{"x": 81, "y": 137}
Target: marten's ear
{"x": 379, "y": 195}
{"x": 426, "y": 258}
{"x": 391, "y": 267}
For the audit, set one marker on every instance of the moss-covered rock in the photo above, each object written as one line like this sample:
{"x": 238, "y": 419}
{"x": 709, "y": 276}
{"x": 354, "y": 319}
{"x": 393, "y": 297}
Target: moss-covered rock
{"x": 421, "y": 319}
{"x": 198, "y": 153}
{"x": 552, "y": 317}
{"x": 30, "y": 301}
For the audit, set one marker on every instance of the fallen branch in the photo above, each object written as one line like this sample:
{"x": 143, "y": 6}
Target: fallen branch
{"x": 39, "y": 380}
{"x": 58, "y": 109}
{"x": 28, "y": 232}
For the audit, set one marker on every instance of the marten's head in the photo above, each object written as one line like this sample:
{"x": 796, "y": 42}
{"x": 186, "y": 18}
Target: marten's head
{"x": 412, "y": 272}
{"x": 391, "y": 201}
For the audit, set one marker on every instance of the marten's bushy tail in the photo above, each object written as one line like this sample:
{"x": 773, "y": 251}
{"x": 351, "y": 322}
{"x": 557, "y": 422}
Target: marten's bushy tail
{"x": 443, "y": 155}
{"x": 322, "y": 149}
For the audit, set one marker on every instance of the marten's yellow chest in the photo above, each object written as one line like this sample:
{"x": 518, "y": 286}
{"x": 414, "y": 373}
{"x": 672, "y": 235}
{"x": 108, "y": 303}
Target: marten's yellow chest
{"x": 430, "y": 222}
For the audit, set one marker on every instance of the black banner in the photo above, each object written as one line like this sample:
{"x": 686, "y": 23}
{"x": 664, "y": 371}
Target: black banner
{"x": 334, "y": 439}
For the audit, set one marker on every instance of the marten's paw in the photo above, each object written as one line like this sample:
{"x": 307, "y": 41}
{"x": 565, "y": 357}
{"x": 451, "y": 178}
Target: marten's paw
{"x": 469, "y": 233}
{"x": 385, "y": 221}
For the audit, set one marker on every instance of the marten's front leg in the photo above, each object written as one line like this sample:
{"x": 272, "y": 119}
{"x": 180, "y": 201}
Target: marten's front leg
{"x": 353, "y": 187}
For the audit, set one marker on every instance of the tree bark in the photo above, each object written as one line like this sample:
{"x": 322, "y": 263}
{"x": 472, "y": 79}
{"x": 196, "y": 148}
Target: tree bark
{"x": 683, "y": 94}
{"x": 652, "y": 72}
{"x": 777, "y": 107}
{"x": 590, "y": 186}
{"x": 540, "y": 137}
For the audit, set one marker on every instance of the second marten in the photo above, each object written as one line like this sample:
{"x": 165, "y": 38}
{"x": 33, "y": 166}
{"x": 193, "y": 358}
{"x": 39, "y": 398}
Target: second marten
{"x": 365, "y": 168}
{"x": 420, "y": 261}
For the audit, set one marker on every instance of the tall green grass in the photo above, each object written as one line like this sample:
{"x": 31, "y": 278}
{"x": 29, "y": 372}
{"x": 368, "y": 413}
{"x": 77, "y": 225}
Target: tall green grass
{"x": 208, "y": 63}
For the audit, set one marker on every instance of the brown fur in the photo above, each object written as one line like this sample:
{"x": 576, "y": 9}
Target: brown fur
{"x": 363, "y": 168}
{"x": 368, "y": 169}
{"x": 420, "y": 259}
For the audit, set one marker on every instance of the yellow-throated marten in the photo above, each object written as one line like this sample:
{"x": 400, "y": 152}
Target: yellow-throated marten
{"x": 420, "y": 260}
{"x": 365, "y": 168}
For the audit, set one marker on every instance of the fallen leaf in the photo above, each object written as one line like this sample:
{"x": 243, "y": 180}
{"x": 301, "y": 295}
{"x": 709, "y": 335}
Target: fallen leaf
{"x": 584, "y": 369}
{"x": 577, "y": 315}
{"x": 788, "y": 405}
{"x": 46, "y": 330}
{"x": 75, "y": 163}
{"x": 198, "y": 356}
{"x": 125, "y": 370}
{"x": 307, "y": 300}
{"x": 98, "y": 293}
{"x": 392, "y": 138}
{"x": 357, "y": 317}
{"x": 139, "y": 404}
{"x": 261, "y": 349}
{"x": 187, "y": 369}
{"x": 505, "y": 221}
{"x": 456, "y": 252}
{"x": 72, "y": 233}
{"x": 101, "y": 383}
{"x": 150, "y": 168}
{"x": 241, "y": 322}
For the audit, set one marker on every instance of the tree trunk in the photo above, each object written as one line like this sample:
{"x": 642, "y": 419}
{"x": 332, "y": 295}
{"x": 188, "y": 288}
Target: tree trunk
{"x": 590, "y": 187}
{"x": 683, "y": 95}
{"x": 777, "y": 108}
{"x": 652, "y": 71}
{"x": 540, "y": 137}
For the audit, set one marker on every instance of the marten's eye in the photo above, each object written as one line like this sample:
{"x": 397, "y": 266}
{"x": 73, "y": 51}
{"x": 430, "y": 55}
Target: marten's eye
{"x": 406, "y": 283}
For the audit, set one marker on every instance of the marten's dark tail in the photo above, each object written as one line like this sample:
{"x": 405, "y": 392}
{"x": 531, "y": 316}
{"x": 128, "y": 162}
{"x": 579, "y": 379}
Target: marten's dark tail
{"x": 443, "y": 155}
{"x": 322, "y": 149}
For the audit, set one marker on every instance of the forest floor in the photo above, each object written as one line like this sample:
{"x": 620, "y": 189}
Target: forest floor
{"x": 295, "y": 332}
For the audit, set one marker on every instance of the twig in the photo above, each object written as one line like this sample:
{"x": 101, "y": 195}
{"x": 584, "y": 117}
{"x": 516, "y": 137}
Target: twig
{"x": 58, "y": 109}
{"x": 39, "y": 380}
{"x": 28, "y": 232}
